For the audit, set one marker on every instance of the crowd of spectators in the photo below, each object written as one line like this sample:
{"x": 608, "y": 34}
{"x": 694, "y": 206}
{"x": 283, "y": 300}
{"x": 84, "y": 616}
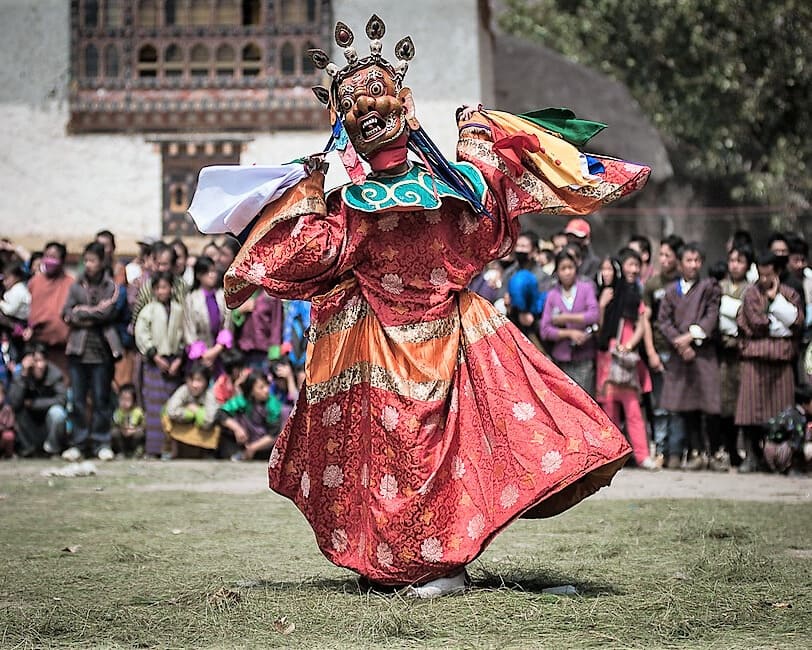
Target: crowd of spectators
{"x": 141, "y": 359}
{"x": 702, "y": 366}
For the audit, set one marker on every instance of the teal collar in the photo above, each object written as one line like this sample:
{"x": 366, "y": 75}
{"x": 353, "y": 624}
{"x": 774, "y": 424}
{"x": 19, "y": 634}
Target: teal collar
{"x": 414, "y": 189}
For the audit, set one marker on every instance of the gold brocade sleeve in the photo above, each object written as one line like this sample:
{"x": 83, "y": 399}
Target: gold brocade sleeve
{"x": 534, "y": 170}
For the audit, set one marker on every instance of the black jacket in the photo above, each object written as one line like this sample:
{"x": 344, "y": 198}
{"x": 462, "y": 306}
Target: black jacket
{"x": 44, "y": 394}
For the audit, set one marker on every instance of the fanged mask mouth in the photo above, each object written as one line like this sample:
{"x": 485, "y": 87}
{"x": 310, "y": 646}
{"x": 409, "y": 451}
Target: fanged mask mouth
{"x": 371, "y": 126}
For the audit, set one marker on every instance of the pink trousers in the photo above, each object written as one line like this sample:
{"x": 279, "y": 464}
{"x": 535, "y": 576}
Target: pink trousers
{"x": 635, "y": 427}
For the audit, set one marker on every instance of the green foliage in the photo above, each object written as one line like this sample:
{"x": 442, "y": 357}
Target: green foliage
{"x": 727, "y": 82}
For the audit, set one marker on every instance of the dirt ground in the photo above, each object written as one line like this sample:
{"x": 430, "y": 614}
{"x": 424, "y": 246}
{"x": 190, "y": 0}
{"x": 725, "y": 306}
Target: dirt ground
{"x": 250, "y": 478}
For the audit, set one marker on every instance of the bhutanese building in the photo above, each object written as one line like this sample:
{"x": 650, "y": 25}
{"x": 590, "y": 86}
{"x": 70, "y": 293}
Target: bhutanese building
{"x": 108, "y": 108}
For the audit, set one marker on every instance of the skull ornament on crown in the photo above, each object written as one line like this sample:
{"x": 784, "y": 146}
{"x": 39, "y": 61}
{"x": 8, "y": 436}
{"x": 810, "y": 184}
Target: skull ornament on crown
{"x": 367, "y": 94}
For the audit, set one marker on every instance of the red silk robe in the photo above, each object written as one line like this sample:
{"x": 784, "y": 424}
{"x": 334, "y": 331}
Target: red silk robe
{"x": 428, "y": 422}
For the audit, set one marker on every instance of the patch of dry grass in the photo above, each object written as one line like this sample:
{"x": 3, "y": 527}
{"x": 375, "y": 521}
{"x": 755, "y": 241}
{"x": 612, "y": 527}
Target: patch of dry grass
{"x": 175, "y": 569}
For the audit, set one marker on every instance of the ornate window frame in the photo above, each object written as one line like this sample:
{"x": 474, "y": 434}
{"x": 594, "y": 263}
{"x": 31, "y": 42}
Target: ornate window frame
{"x": 179, "y": 94}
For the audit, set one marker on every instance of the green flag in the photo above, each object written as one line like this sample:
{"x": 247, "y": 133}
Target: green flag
{"x": 564, "y": 122}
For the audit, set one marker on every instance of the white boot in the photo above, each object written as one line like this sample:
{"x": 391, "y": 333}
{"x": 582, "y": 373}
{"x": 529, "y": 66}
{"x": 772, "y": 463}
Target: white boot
{"x": 447, "y": 586}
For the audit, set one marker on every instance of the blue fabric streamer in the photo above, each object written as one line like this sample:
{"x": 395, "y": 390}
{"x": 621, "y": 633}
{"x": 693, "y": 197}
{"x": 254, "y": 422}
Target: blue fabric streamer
{"x": 595, "y": 165}
{"x": 421, "y": 143}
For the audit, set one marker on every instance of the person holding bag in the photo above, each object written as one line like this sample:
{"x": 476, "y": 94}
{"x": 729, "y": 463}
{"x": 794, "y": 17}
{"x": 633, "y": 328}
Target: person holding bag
{"x": 621, "y": 374}
{"x": 733, "y": 286}
{"x": 568, "y": 321}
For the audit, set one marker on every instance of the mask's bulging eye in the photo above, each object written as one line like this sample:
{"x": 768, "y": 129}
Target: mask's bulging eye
{"x": 376, "y": 89}
{"x": 346, "y": 104}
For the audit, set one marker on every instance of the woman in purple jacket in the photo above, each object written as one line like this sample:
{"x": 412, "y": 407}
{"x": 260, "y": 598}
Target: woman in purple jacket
{"x": 260, "y": 320}
{"x": 569, "y": 320}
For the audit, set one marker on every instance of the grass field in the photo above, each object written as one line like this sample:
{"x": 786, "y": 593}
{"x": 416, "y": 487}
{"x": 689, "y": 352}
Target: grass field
{"x": 159, "y": 558}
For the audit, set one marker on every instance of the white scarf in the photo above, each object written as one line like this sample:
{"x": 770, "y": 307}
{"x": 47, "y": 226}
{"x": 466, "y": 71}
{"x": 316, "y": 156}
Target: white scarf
{"x": 228, "y": 197}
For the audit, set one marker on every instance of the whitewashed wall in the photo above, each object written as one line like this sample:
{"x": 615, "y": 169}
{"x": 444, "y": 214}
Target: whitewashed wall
{"x": 57, "y": 186}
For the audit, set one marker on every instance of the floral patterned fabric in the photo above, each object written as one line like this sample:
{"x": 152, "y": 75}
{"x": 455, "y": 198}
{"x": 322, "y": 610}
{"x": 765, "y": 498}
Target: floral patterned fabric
{"x": 427, "y": 422}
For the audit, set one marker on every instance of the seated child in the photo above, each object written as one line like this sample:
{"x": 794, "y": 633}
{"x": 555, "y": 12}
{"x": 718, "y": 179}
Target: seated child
{"x": 235, "y": 370}
{"x": 788, "y": 444}
{"x": 127, "y": 432}
{"x": 189, "y": 416}
{"x": 8, "y": 424}
{"x": 250, "y": 420}
{"x": 37, "y": 395}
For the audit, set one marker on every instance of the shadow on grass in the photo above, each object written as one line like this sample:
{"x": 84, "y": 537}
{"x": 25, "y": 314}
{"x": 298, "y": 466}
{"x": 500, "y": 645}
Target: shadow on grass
{"x": 537, "y": 581}
{"x": 338, "y": 585}
{"x": 481, "y": 579}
